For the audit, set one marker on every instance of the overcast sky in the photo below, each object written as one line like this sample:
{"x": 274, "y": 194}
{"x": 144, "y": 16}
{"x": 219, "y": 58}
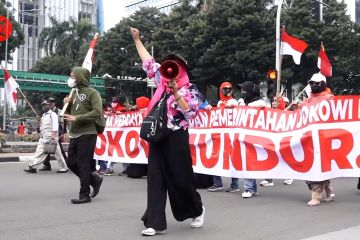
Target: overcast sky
{"x": 113, "y": 12}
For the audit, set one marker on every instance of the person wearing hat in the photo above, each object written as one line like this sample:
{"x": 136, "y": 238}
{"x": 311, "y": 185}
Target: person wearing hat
{"x": 169, "y": 161}
{"x": 46, "y": 163}
{"x": 49, "y": 126}
{"x": 319, "y": 92}
{"x": 85, "y": 106}
{"x": 250, "y": 93}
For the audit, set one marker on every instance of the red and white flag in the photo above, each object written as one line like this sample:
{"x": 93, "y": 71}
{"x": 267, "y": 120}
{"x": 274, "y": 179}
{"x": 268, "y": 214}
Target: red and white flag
{"x": 88, "y": 61}
{"x": 323, "y": 63}
{"x": 10, "y": 86}
{"x": 292, "y": 46}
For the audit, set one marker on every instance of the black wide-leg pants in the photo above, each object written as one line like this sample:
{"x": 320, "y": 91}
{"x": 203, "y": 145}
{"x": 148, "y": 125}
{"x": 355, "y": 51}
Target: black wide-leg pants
{"x": 170, "y": 172}
{"x": 80, "y": 160}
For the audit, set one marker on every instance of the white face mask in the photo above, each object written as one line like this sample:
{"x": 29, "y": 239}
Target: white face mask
{"x": 71, "y": 82}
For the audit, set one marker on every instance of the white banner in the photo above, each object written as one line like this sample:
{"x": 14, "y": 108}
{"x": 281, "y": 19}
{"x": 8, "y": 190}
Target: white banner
{"x": 318, "y": 142}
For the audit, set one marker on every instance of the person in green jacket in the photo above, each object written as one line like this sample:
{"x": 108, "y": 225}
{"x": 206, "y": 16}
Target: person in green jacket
{"x": 85, "y": 106}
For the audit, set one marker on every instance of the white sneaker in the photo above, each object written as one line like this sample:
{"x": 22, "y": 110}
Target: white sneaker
{"x": 151, "y": 232}
{"x": 249, "y": 194}
{"x": 288, "y": 181}
{"x": 198, "y": 221}
{"x": 265, "y": 183}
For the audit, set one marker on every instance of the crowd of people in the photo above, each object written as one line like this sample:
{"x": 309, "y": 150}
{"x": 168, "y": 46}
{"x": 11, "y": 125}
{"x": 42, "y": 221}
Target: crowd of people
{"x": 169, "y": 170}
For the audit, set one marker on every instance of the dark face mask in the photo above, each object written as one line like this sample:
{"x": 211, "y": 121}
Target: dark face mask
{"x": 317, "y": 88}
{"x": 226, "y": 91}
{"x": 244, "y": 95}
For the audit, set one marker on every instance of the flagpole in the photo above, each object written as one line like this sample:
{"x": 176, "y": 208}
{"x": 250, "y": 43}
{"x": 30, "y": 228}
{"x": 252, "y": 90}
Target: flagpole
{"x": 6, "y": 51}
{"x": 28, "y": 102}
{"x": 278, "y": 58}
{"x": 297, "y": 97}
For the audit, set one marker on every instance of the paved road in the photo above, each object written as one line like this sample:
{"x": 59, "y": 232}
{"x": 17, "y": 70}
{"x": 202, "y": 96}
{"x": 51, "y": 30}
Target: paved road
{"x": 36, "y": 207}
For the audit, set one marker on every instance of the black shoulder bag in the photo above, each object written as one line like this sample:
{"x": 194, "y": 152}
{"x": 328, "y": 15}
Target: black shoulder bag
{"x": 154, "y": 126}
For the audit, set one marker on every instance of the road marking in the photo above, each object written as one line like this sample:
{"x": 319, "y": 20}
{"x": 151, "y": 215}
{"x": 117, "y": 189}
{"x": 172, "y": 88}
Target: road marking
{"x": 352, "y": 233}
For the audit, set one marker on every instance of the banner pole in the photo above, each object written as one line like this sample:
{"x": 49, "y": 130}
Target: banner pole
{"x": 28, "y": 102}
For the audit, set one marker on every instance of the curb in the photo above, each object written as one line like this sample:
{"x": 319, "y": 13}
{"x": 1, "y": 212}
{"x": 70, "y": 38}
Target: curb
{"x": 19, "y": 159}
{"x": 9, "y": 159}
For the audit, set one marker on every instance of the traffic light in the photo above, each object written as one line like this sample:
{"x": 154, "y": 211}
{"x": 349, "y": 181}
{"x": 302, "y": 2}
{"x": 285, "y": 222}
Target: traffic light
{"x": 271, "y": 78}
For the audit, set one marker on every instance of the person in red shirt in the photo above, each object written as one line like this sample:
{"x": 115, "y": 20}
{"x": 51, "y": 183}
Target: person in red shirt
{"x": 118, "y": 104}
{"x": 21, "y": 129}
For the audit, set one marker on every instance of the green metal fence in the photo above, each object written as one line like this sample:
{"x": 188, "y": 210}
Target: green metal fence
{"x": 47, "y": 82}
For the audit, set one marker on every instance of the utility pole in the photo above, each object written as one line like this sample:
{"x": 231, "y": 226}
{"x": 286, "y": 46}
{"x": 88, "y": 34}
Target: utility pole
{"x": 6, "y": 52}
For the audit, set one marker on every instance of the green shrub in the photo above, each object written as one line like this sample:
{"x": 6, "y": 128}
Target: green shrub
{"x": 30, "y": 137}
{"x": 2, "y": 137}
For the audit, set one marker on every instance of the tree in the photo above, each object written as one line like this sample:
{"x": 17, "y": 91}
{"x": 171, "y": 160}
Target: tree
{"x": 339, "y": 35}
{"x": 55, "y": 64}
{"x": 63, "y": 42}
{"x": 237, "y": 42}
{"x": 117, "y": 55}
{"x": 17, "y": 38}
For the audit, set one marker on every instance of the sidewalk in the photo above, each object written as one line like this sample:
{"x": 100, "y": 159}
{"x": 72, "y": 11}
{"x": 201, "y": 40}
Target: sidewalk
{"x": 12, "y": 157}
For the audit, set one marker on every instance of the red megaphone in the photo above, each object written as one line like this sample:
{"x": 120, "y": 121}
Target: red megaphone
{"x": 169, "y": 69}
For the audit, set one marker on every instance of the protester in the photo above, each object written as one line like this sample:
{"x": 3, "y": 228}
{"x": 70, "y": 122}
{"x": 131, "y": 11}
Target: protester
{"x": 103, "y": 164}
{"x": 226, "y": 101}
{"x": 136, "y": 170}
{"x": 279, "y": 103}
{"x": 250, "y": 94}
{"x": 118, "y": 104}
{"x": 319, "y": 92}
{"x": 169, "y": 162}
{"x": 203, "y": 181}
{"x": 21, "y": 129}
{"x": 49, "y": 131}
{"x": 61, "y": 131}
{"x": 85, "y": 108}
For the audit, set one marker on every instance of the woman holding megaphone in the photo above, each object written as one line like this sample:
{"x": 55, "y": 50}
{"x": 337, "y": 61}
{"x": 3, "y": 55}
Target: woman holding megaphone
{"x": 169, "y": 162}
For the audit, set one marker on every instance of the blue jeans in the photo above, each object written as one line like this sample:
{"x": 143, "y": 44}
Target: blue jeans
{"x": 103, "y": 165}
{"x": 250, "y": 185}
{"x": 218, "y": 182}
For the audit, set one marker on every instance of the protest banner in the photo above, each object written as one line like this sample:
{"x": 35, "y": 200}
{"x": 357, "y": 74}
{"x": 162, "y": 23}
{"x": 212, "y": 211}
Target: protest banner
{"x": 317, "y": 142}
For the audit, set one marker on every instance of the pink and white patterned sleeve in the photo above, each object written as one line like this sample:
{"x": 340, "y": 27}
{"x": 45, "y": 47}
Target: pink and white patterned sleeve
{"x": 152, "y": 70}
{"x": 192, "y": 99}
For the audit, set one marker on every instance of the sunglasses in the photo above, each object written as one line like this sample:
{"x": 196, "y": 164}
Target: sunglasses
{"x": 227, "y": 89}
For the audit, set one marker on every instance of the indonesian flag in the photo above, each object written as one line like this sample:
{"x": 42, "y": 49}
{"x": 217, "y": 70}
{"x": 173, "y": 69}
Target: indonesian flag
{"x": 292, "y": 46}
{"x": 88, "y": 61}
{"x": 323, "y": 63}
{"x": 10, "y": 86}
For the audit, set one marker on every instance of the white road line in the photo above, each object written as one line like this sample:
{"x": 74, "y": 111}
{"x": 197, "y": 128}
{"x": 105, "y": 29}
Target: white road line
{"x": 344, "y": 234}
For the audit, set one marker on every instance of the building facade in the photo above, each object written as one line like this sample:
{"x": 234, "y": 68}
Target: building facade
{"x": 34, "y": 16}
{"x": 100, "y": 16}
